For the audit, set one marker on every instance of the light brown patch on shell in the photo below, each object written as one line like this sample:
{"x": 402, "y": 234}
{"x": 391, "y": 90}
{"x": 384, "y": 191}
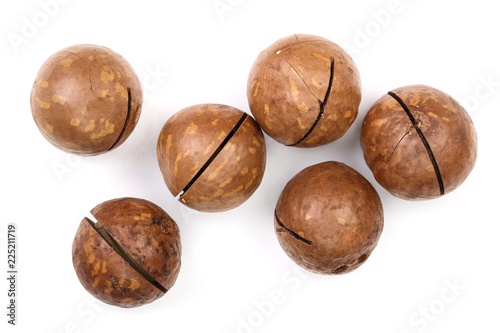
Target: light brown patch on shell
{"x": 103, "y": 93}
{"x": 217, "y": 170}
{"x": 108, "y": 129}
{"x": 256, "y": 92}
{"x": 121, "y": 89}
{"x": 192, "y": 128}
{"x": 95, "y": 270}
{"x": 134, "y": 284}
{"x": 322, "y": 57}
{"x": 66, "y": 62}
{"x": 294, "y": 92}
{"x": 107, "y": 74}
{"x": 236, "y": 190}
{"x": 43, "y": 105}
{"x": 74, "y": 122}
{"x": 91, "y": 126}
{"x": 378, "y": 122}
{"x": 267, "y": 117}
{"x": 209, "y": 148}
{"x": 227, "y": 181}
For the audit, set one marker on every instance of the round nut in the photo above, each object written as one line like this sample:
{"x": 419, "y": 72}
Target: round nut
{"x": 86, "y": 99}
{"x": 131, "y": 256}
{"x": 304, "y": 91}
{"x": 212, "y": 155}
{"x": 328, "y": 218}
{"x": 419, "y": 142}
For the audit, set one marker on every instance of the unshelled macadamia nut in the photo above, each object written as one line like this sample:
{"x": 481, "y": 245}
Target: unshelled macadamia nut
{"x": 419, "y": 142}
{"x": 212, "y": 156}
{"x": 86, "y": 99}
{"x": 328, "y": 218}
{"x": 304, "y": 91}
{"x": 129, "y": 253}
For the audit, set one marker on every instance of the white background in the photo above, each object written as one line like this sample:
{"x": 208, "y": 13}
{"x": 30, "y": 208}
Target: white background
{"x": 234, "y": 275}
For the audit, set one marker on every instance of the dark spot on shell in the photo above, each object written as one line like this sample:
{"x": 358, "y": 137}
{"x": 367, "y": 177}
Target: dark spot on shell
{"x": 117, "y": 285}
{"x": 157, "y": 221}
{"x": 166, "y": 227}
{"x": 363, "y": 258}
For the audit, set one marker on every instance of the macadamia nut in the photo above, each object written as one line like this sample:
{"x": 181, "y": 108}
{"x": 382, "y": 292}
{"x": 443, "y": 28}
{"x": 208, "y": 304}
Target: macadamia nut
{"x": 86, "y": 99}
{"x": 328, "y": 218}
{"x": 212, "y": 156}
{"x": 419, "y": 142}
{"x": 130, "y": 255}
{"x": 304, "y": 91}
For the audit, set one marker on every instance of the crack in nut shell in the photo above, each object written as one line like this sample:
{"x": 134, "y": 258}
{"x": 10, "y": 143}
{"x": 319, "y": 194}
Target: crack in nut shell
{"x": 97, "y": 266}
{"x": 417, "y": 125}
{"x": 127, "y": 257}
{"x": 282, "y": 228}
{"x": 137, "y": 225}
{"x": 80, "y": 100}
{"x": 188, "y": 140}
{"x": 337, "y": 210}
{"x": 396, "y": 154}
{"x": 207, "y": 164}
{"x": 322, "y": 105}
{"x": 288, "y": 83}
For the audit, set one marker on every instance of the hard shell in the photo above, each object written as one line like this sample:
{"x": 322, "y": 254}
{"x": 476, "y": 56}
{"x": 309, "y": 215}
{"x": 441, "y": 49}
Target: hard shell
{"x": 396, "y": 154}
{"x": 328, "y": 218}
{"x": 147, "y": 233}
{"x": 304, "y": 91}
{"x": 188, "y": 141}
{"x": 86, "y": 99}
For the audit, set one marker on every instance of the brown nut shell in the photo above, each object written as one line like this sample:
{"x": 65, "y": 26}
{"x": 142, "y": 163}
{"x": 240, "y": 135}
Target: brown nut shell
{"x": 419, "y": 142}
{"x": 328, "y": 218}
{"x": 212, "y": 155}
{"x": 304, "y": 91}
{"x": 144, "y": 232}
{"x": 86, "y": 99}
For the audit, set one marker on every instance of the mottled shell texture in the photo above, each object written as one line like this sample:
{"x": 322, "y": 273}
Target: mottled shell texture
{"x": 328, "y": 218}
{"x": 212, "y": 156}
{"x": 419, "y": 142}
{"x": 146, "y": 233}
{"x": 86, "y": 99}
{"x": 304, "y": 91}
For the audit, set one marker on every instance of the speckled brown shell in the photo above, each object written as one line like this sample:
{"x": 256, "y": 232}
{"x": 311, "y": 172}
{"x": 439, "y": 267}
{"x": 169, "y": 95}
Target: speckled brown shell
{"x": 304, "y": 91}
{"x": 396, "y": 154}
{"x": 328, "y": 218}
{"x": 144, "y": 231}
{"x": 86, "y": 99}
{"x": 189, "y": 139}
